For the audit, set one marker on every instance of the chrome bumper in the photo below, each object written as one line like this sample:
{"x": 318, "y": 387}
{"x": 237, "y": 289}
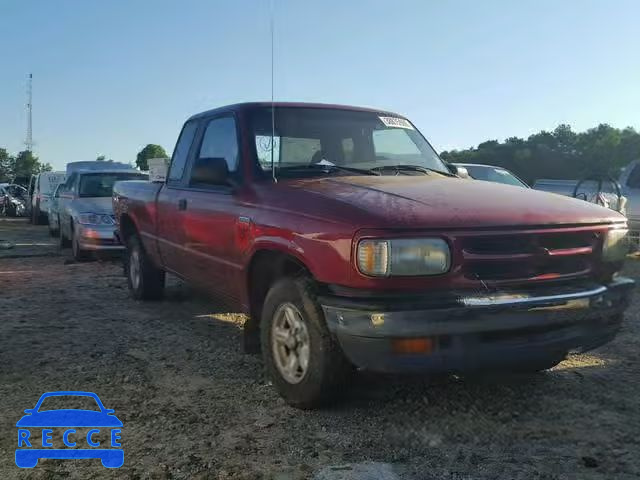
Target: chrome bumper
{"x": 95, "y": 237}
{"x": 478, "y": 331}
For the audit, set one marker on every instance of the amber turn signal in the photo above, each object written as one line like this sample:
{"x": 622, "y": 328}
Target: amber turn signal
{"x": 412, "y": 345}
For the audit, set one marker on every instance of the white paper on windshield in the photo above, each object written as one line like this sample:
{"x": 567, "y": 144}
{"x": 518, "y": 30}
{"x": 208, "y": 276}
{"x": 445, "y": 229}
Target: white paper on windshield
{"x": 325, "y": 162}
{"x": 396, "y": 122}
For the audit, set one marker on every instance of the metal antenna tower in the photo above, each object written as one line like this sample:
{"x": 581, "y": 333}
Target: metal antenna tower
{"x": 29, "y": 141}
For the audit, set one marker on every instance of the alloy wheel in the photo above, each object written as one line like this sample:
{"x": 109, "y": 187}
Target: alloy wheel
{"x": 290, "y": 343}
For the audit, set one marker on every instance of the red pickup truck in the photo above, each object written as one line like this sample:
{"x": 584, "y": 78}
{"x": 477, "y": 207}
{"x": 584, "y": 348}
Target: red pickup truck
{"x": 350, "y": 243}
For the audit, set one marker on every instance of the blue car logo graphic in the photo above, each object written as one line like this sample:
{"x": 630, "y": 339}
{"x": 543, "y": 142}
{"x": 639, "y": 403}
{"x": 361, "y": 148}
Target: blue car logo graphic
{"x": 36, "y": 428}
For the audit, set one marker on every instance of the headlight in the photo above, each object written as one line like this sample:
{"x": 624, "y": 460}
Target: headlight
{"x": 403, "y": 257}
{"x": 616, "y": 245}
{"x": 95, "y": 219}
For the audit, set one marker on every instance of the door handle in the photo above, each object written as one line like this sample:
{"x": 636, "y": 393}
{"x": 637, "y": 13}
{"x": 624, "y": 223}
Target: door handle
{"x": 182, "y": 204}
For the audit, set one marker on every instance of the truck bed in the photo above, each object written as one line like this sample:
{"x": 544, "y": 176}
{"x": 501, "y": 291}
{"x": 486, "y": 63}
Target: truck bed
{"x": 137, "y": 197}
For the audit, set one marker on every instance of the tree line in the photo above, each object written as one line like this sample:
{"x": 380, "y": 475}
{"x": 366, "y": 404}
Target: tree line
{"x": 19, "y": 168}
{"x": 559, "y": 154}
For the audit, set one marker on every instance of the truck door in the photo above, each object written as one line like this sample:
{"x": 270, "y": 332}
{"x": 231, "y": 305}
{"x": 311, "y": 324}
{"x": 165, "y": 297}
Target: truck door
{"x": 169, "y": 228}
{"x": 67, "y": 192}
{"x": 214, "y": 219}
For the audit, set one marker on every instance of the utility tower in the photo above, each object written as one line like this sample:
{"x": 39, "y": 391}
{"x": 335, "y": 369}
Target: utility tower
{"x": 29, "y": 141}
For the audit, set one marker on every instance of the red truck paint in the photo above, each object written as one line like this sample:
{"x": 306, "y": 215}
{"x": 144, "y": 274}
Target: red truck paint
{"x": 319, "y": 221}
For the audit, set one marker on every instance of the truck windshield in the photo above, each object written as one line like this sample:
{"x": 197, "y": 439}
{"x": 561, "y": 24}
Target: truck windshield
{"x": 101, "y": 184}
{"x": 325, "y": 137}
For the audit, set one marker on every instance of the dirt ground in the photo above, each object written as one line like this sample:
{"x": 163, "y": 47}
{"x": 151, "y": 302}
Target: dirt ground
{"x": 194, "y": 406}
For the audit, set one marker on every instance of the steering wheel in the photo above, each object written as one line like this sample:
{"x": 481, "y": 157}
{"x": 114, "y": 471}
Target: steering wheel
{"x": 598, "y": 179}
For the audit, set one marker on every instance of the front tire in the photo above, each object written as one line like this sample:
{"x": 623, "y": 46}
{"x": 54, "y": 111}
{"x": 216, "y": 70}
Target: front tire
{"x": 36, "y": 216}
{"x": 11, "y": 211}
{"x": 79, "y": 255}
{"x": 64, "y": 242}
{"x": 301, "y": 356}
{"x": 54, "y": 232}
{"x": 145, "y": 280}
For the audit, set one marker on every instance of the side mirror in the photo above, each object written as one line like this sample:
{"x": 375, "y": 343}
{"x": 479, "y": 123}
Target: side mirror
{"x": 458, "y": 170}
{"x": 109, "y": 411}
{"x": 29, "y": 410}
{"x": 210, "y": 171}
{"x": 462, "y": 172}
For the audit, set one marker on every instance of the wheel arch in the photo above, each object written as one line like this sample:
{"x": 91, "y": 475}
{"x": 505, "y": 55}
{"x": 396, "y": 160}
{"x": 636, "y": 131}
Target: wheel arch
{"x": 127, "y": 227}
{"x": 266, "y": 266}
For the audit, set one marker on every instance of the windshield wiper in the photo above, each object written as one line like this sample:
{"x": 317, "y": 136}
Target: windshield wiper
{"x": 410, "y": 168}
{"x": 329, "y": 168}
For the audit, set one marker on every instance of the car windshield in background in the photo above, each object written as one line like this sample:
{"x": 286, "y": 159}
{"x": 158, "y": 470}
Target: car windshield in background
{"x": 493, "y": 174}
{"x": 101, "y": 184}
{"x": 347, "y": 140}
{"x": 16, "y": 191}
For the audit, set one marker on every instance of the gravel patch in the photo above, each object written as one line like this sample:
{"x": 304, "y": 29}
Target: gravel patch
{"x": 194, "y": 406}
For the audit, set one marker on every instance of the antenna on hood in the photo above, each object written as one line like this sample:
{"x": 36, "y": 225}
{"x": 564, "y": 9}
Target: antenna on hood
{"x": 273, "y": 111}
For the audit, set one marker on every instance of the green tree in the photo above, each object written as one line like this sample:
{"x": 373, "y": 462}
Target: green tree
{"x": 150, "y": 151}
{"x": 26, "y": 164}
{"x": 561, "y": 153}
{"x": 6, "y": 165}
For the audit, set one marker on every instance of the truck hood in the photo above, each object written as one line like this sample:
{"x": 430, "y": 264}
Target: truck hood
{"x": 442, "y": 202}
{"x": 101, "y": 205}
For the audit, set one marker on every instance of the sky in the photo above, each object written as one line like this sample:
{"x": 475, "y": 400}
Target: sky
{"x": 111, "y": 76}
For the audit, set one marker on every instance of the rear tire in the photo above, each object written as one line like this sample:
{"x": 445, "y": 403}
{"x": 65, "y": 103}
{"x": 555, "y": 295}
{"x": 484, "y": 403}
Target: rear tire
{"x": 321, "y": 368}
{"x": 145, "y": 280}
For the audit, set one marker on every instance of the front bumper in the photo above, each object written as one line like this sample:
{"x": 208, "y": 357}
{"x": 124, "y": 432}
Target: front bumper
{"x": 98, "y": 237}
{"x": 634, "y": 233}
{"x": 478, "y": 332}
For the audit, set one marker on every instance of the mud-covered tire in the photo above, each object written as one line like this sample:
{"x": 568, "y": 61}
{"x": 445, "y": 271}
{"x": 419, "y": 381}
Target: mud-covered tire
{"x": 327, "y": 369}
{"x": 145, "y": 280}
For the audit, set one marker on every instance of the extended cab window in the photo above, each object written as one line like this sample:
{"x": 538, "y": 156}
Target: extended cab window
{"x": 220, "y": 141}
{"x": 181, "y": 151}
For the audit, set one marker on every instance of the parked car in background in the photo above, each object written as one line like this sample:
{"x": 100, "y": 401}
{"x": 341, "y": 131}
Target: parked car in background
{"x": 53, "y": 213}
{"x": 490, "y": 173}
{"x": 629, "y": 184}
{"x": 85, "y": 211}
{"x": 41, "y": 187}
{"x": 621, "y": 195}
{"x": 13, "y": 200}
{"x": 97, "y": 165}
{"x": 368, "y": 251}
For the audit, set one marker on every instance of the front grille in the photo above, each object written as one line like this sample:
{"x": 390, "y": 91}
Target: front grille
{"x": 530, "y": 256}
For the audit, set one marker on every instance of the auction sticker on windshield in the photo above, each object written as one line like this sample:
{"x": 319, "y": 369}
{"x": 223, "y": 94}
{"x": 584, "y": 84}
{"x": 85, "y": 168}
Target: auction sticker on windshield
{"x": 396, "y": 122}
{"x": 91, "y": 431}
